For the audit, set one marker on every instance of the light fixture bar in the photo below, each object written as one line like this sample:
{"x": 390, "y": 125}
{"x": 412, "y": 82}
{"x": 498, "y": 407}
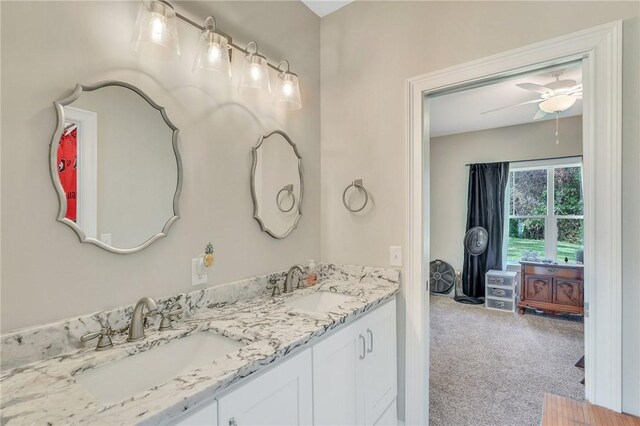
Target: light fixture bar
{"x": 201, "y": 28}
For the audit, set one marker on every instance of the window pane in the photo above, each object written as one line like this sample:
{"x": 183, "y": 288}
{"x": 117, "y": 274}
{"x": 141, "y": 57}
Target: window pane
{"x": 570, "y": 238}
{"x": 568, "y": 191}
{"x": 525, "y": 235}
{"x": 528, "y": 190}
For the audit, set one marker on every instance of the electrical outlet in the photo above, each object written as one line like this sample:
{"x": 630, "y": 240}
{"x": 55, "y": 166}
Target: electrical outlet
{"x": 198, "y": 276}
{"x": 395, "y": 256}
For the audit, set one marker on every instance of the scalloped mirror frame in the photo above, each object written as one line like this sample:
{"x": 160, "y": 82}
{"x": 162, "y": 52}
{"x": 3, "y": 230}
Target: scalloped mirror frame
{"x": 53, "y": 164}
{"x": 254, "y": 197}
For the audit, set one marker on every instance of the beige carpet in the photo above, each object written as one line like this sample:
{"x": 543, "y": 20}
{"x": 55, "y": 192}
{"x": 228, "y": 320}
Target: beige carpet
{"x": 493, "y": 368}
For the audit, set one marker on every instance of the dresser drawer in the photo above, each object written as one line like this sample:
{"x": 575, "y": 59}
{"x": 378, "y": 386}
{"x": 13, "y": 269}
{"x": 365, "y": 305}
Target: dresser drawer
{"x": 506, "y": 293}
{"x": 501, "y": 305}
{"x": 498, "y": 280}
{"x": 552, "y": 270}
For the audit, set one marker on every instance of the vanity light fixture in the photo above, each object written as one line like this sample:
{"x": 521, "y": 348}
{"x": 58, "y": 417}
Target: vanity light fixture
{"x": 287, "y": 89}
{"x": 156, "y": 26}
{"x": 255, "y": 74}
{"x": 213, "y": 50}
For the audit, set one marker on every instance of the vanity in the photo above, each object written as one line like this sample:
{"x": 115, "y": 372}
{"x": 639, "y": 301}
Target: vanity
{"x": 320, "y": 355}
{"x": 347, "y": 377}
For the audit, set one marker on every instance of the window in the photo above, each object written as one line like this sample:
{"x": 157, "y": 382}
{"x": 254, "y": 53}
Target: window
{"x": 545, "y": 209}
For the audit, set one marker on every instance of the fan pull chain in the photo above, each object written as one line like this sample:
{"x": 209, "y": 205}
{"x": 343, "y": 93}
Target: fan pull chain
{"x": 557, "y": 139}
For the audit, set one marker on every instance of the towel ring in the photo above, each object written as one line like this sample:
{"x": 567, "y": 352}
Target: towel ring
{"x": 289, "y": 189}
{"x": 358, "y": 185}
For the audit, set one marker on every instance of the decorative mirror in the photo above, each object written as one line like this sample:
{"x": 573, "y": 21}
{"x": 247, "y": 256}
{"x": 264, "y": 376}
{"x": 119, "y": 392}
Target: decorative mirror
{"x": 116, "y": 166}
{"x": 276, "y": 184}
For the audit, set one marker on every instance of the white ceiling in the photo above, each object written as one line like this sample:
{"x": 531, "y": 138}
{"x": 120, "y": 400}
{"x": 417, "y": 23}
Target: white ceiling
{"x": 325, "y": 7}
{"x": 461, "y": 112}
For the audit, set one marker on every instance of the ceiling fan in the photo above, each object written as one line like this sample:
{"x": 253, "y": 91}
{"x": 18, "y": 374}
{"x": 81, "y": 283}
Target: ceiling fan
{"x": 555, "y": 97}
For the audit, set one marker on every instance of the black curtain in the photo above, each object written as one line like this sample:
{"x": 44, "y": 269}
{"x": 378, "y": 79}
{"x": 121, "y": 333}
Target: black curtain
{"x": 485, "y": 207}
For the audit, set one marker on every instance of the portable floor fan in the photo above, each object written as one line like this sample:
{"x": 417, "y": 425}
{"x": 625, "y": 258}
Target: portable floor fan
{"x": 475, "y": 243}
{"x": 441, "y": 277}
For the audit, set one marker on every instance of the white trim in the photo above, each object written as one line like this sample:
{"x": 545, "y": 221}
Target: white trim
{"x": 539, "y": 164}
{"x": 601, "y": 50}
{"x": 87, "y": 158}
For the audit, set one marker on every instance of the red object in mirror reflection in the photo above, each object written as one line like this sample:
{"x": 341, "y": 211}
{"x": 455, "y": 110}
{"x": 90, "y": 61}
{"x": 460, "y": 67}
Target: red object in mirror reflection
{"x": 68, "y": 168}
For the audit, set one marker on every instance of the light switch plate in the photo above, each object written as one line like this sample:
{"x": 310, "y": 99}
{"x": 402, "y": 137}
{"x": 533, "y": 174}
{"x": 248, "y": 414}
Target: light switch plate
{"x": 197, "y": 275}
{"x": 395, "y": 256}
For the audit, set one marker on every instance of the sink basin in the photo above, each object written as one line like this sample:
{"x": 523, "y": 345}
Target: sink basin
{"x": 124, "y": 378}
{"x": 320, "y": 301}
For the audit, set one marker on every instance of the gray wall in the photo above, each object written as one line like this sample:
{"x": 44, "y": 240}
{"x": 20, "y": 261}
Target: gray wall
{"x": 450, "y": 176}
{"x": 48, "y": 47}
{"x": 369, "y": 49}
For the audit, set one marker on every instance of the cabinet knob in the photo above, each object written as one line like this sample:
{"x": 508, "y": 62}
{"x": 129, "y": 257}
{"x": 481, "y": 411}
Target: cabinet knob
{"x": 232, "y": 422}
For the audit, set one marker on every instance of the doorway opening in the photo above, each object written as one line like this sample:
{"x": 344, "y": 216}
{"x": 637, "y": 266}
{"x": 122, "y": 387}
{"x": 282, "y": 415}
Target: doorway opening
{"x": 507, "y": 238}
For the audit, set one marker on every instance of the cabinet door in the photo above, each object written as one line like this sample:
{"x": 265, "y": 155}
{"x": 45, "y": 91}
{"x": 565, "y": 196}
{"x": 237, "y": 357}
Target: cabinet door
{"x": 280, "y": 396}
{"x": 337, "y": 371}
{"x": 380, "y": 367}
{"x": 567, "y": 292}
{"x": 538, "y": 288}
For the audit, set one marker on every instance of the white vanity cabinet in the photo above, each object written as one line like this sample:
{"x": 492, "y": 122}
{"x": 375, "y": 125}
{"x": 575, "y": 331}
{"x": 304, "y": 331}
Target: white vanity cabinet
{"x": 354, "y": 372}
{"x": 347, "y": 378}
{"x": 280, "y": 396}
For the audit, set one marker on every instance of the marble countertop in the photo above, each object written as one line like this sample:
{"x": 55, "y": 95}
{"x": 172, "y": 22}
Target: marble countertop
{"x": 45, "y": 392}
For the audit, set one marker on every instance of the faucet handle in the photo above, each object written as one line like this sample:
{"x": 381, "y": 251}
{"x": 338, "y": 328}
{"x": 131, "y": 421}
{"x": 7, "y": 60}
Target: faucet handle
{"x": 276, "y": 289}
{"x": 165, "y": 322}
{"x": 104, "y": 338}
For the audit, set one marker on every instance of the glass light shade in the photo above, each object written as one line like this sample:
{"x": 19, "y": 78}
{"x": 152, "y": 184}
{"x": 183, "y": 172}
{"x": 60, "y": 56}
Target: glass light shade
{"x": 213, "y": 51}
{"x": 255, "y": 75}
{"x": 557, "y": 103}
{"x": 156, "y": 26}
{"x": 288, "y": 91}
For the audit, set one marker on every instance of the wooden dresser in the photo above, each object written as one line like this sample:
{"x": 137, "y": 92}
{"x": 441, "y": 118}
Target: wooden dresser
{"x": 551, "y": 288}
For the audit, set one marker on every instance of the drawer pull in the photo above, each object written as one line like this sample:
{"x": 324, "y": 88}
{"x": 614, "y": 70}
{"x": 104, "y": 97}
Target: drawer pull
{"x": 364, "y": 347}
{"x": 371, "y": 345}
{"x": 232, "y": 422}
{"x": 552, "y": 270}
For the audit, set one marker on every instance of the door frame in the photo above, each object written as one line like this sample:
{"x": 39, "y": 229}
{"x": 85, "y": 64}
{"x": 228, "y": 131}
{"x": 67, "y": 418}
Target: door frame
{"x": 600, "y": 49}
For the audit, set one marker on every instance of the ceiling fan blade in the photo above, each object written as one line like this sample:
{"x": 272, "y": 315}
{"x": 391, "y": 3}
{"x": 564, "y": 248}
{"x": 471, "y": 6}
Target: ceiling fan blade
{"x": 534, "y": 87}
{"x": 574, "y": 89}
{"x": 539, "y": 114}
{"x": 513, "y": 106}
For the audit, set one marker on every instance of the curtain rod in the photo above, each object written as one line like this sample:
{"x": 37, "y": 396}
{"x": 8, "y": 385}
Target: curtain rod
{"x": 528, "y": 160}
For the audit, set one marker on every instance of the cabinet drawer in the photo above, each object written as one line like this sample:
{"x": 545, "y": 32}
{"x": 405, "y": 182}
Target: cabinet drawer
{"x": 498, "y": 280}
{"x": 506, "y": 293}
{"x": 555, "y": 271}
{"x": 501, "y": 305}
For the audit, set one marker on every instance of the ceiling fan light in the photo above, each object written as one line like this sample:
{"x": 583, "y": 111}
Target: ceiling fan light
{"x": 557, "y": 103}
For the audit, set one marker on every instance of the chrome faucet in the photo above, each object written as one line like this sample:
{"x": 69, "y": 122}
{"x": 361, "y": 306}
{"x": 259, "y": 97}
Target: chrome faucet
{"x": 288, "y": 282}
{"x": 136, "y": 328}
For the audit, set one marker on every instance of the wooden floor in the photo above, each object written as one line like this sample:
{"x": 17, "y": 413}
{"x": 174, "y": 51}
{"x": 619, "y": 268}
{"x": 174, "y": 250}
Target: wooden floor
{"x": 559, "y": 411}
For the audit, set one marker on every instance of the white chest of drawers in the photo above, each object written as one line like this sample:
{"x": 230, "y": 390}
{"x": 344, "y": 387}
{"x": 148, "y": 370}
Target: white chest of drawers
{"x": 501, "y": 290}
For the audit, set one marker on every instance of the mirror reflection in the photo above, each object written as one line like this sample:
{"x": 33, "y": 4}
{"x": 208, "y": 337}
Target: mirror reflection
{"x": 276, "y": 184}
{"x": 117, "y": 166}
